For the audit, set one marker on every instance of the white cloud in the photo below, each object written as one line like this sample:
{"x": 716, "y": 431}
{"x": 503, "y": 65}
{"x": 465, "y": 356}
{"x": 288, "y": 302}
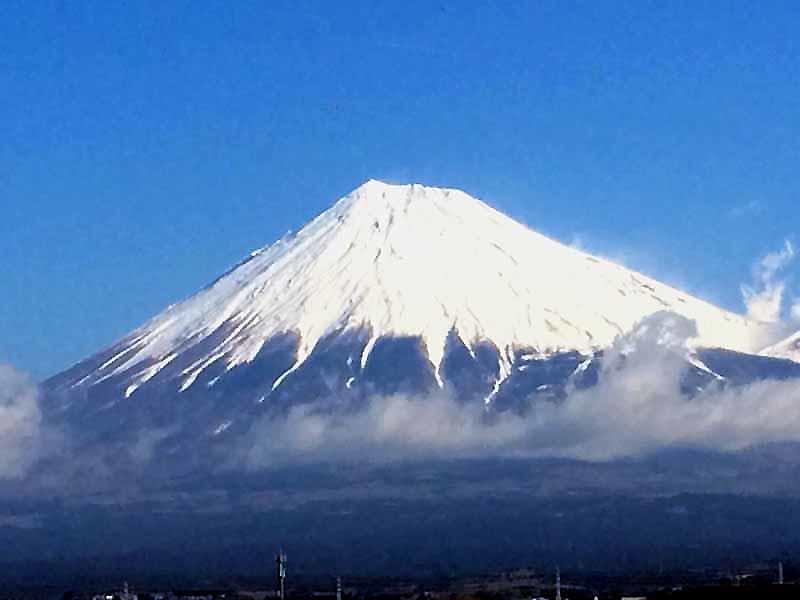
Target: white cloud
{"x": 794, "y": 311}
{"x": 20, "y": 423}
{"x": 640, "y": 408}
{"x": 764, "y": 299}
{"x": 751, "y": 208}
{"x": 636, "y": 408}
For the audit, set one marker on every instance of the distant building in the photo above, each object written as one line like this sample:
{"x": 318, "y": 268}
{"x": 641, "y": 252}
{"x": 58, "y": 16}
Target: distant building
{"x": 124, "y": 594}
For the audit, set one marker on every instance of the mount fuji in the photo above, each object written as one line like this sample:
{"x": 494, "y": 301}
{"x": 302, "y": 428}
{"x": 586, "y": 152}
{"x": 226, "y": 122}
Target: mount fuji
{"x": 394, "y": 289}
{"x": 413, "y": 373}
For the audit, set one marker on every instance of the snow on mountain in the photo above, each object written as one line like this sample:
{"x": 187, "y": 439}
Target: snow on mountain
{"x": 405, "y": 260}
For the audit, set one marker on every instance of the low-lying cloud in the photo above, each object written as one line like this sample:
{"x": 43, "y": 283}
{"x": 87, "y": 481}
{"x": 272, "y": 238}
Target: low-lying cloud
{"x": 636, "y": 408}
{"x": 20, "y": 423}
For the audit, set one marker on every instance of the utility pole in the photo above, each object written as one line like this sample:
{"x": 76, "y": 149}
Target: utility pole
{"x": 280, "y": 574}
{"x": 780, "y": 573}
{"x": 558, "y": 583}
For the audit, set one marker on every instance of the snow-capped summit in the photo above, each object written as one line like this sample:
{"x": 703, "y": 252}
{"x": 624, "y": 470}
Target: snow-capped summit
{"x": 397, "y": 262}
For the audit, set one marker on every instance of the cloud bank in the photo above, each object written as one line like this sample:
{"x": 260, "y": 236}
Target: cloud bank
{"x": 636, "y": 408}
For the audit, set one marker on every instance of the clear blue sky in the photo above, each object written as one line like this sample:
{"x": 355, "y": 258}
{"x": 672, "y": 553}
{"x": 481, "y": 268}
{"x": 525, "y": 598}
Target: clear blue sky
{"x": 147, "y": 146}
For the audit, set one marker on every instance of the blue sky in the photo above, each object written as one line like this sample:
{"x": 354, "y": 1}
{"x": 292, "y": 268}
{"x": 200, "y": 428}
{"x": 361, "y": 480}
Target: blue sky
{"x": 148, "y": 146}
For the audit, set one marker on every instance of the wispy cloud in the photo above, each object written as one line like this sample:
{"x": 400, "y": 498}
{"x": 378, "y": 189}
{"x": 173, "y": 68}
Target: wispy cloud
{"x": 764, "y": 298}
{"x": 20, "y": 423}
{"x": 751, "y": 208}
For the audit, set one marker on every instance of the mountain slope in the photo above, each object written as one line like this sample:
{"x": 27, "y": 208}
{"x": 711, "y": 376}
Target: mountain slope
{"x": 431, "y": 266}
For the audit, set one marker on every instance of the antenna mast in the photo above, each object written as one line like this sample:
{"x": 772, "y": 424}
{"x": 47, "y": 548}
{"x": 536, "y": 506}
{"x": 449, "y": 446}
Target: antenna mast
{"x": 280, "y": 573}
{"x": 558, "y": 583}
